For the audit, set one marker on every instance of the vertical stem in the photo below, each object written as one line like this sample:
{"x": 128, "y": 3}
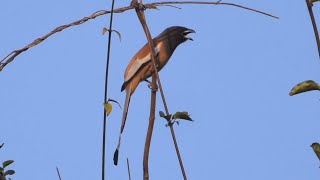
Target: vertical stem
{"x": 105, "y": 96}
{"x": 58, "y": 173}
{"x": 314, "y": 25}
{"x": 150, "y": 130}
{"x": 128, "y": 166}
{"x": 142, "y": 19}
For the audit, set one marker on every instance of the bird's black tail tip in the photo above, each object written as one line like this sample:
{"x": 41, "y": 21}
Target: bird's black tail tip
{"x": 123, "y": 86}
{"x": 115, "y": 157}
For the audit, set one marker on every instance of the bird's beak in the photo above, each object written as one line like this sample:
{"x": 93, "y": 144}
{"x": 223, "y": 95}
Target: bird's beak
{"x": 185, "y": 33}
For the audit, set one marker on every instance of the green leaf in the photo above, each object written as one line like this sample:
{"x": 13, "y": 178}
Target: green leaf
{"x": 313, "y": 1}
{"x": 304, "y": 87}
{"x": 161, "y": 113}
{"x": 111, "y": 100}
{"x": 108, "y": 108}
{"x": 316, "y": 149}
{"x": 9, "y": 172}
{"x": 119, "y": 35}
{"x": 7, "y": 163}
{"x": 1, "y": 169}
{"x": 182, "y": 115}
{"x": 168, "y": 118}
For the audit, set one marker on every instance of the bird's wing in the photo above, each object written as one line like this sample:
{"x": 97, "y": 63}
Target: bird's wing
{"x": 136, "y": 65}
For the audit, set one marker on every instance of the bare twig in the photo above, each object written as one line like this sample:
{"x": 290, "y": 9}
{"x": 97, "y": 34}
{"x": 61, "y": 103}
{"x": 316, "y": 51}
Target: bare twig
{"x": 140, "y": 14}
{"x": 105, "y": 96}
{"x": 58, "y": 173}
{"x": 314, "y": 25}
{"x": 128, "y": 166}
{"x": 12, "y": 55}
{"x": 155, "y": 77}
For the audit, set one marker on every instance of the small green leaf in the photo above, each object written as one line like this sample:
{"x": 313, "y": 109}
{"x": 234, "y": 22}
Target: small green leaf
{"x": 1, "y": 169}
{"x": 168, "y": 118}
{"x": 111, "y": 100}
{"x": 161, "y": 113}
{"x": 182, "y": 115}
{"x": 304, "y": 87}
{"x": 108, "y": 108}
{"x": 313, "y": 1}
{"x": 9, "y": 172}
{"x": 119, "y": 35}
{"x": 316, "y": 149}
{"x": 104, "y": 30}
{"x": 7, "y": 163}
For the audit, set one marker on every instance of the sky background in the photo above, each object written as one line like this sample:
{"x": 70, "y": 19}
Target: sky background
{"x": 234, "y": 80}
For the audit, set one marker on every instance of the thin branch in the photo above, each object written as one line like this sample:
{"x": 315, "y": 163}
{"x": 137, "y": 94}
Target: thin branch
{"x": 58, "y": 173}
{"x": 140, "y": 14}
{"x": 128, "y": 166}
{"x": 12, "y": 55}
{"x": 314, "y": 25}
{"x": 155, "y": 77}
{"x": 105, "y": 95}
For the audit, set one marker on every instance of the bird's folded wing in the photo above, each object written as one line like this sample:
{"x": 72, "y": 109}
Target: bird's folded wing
{"x": 137, "y": 64}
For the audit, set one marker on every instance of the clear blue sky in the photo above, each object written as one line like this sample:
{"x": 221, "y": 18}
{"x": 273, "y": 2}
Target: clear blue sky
{"x": 234, "y": 79}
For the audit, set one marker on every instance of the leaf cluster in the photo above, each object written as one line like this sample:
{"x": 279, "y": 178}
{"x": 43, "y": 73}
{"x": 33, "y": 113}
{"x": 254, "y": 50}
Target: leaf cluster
{"x": 4, "y": 173}
{"x": 171, "y": 119}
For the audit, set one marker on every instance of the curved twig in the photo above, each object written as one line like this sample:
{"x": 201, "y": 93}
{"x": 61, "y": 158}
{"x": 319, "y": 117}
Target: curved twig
{"x": 12, "y": 55}
{"x": 314, "y": 25}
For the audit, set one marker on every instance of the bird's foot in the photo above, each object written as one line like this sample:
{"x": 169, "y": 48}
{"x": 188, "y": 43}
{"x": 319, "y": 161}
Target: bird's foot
{"x": 154, "y": 89}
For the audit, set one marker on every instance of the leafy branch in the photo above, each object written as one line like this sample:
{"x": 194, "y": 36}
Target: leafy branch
{"x": 4, "y": 173}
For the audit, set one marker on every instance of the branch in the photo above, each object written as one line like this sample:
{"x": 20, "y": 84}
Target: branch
{"x": 58, "y": 173}
{"x": 314, "y": 25}
{"x": 128, "y": 167}
{"x": 12, "y": 55}
{"x": 140, "y": 14}
{"x": 105, "y": 96}
{"x": 155, "y": 77}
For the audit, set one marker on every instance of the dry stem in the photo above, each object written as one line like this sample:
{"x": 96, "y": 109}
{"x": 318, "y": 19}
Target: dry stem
{"x": 105, "y": 97}
{"x": 155, "y": 76}
{"x": 11, "y": 56}
{"x": 142, "y": 19}
{"x": 128, "y": 167}
{"x": 58, "y": 173}
{"x": 314, "y": 25}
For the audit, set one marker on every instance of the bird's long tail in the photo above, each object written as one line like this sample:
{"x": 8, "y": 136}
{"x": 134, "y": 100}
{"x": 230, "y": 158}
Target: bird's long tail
{"x": 123, "y": 123}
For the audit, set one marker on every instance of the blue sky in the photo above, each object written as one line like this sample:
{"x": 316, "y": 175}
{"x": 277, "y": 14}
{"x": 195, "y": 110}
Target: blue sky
{"x": 233, "y": 79}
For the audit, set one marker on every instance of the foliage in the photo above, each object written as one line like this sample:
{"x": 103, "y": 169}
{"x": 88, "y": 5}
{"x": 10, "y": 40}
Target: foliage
{"x": 304, "y": 86}
{"x": 171, "y": 119}
{"x": 108, "y": 106}
{"x": 3, "y": 172}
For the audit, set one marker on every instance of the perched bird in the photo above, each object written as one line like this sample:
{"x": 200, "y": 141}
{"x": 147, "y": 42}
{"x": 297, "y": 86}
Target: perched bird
{"x": 140, "y": 67}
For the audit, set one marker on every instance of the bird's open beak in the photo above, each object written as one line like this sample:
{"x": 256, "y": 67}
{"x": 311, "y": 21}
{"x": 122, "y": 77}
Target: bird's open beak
{"x": 185, "y": 33}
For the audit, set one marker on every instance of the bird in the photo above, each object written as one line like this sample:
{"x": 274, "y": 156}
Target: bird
{"x": 140, "y": 66}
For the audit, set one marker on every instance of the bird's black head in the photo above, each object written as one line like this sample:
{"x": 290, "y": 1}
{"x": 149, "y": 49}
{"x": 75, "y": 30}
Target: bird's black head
{"x": 178, "y": 32}
{"x": 175, "y": 35}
